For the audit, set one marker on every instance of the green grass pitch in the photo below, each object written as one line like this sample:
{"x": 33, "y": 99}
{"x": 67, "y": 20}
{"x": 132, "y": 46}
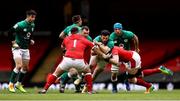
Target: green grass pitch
{"x": 104, "y": 95}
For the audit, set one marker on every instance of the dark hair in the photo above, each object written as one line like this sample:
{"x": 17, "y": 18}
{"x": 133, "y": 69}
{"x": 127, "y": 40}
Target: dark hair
{"x": 76, "y": 18}
{"x": 31, "y": 12}
{"x": 85, "y": 27}
{"x": 74, "y": 30}
{"x": 105, "y": 32}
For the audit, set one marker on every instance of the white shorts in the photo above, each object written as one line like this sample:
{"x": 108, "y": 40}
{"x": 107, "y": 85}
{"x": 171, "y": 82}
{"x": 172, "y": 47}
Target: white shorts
{"x": 135, "y": 63}
{"x": 68, "y": 63}
{"x": 95, "y": 60}
{"x": 21, "y": 53}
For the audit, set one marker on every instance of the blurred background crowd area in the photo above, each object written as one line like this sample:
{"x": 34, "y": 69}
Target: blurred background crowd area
{"x": 155, "y": 22}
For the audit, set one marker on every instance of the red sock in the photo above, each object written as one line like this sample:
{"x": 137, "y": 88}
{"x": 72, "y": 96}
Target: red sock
{"x": 141, "y": 82}
{"x": 148, "y": 72}
{"x": 50, "y": 80}
{"x": 88, "y": 79}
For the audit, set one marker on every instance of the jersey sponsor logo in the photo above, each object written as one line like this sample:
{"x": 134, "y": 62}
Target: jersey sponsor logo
{"x": 27, "y": 35}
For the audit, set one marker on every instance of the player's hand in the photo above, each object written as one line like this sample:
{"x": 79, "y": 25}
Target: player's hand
{"x": 32, "y": 42}
{"x": 15, "y": 45}
{"x": 97, "y": 43}
{"x": 107, "y": 56}
{"x": 137, "y": 50}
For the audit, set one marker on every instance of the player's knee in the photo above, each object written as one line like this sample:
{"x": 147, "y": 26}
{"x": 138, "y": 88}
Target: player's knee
{"x": 132, "y": 80}
{"x": 24, "y": 70}
{"x": 87, "y": 70}
{"x": 19, "y": 65}
{"x": 114, "y": 77}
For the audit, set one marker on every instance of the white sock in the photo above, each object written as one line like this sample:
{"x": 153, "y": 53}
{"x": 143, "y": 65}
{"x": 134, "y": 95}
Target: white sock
{"x": 16, "y": 70}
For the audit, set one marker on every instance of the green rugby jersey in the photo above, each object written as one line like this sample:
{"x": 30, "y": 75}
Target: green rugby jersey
{"x": 67, "y": 30}
{"x": 89, "y": 38}
{"x": 23, "y": 33}
{"x": 122, "y": 40}
{"x": 110, "y": 43}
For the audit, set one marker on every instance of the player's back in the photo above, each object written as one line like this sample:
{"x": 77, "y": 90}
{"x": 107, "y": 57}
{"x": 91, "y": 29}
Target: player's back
{"x": 124, "y": 55}
{"x": 75, "y": 46}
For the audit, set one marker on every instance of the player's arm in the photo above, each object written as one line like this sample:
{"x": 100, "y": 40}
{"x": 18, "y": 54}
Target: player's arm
{"x": 88, "y": 43}
{"x": 136, "y": 43}
{"x": 62, "y": 35}
{"x": 63, "y": 43}
{"x": 11, "y": 35}
{"x": 115, "y": 57}
{"x": 112, "y": 36}
{"x": 14, "y": 44}
{"x": 63, "y": 46}
{"x": 104, "y": 49}
{"x": 96, "y": 50}
{"x": 32, "y": 42}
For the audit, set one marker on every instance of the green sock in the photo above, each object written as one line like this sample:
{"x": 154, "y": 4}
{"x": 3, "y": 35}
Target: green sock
{"x": 64, "y": 78}
{"x": 13, "y": 77}
{"x": 21, "y": 76}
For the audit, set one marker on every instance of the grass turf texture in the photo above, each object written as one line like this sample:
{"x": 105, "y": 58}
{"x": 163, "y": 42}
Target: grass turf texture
{"x": 101, "y": 95}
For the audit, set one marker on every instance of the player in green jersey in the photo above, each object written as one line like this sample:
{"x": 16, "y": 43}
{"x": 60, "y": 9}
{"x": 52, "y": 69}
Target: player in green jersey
{"x": 77, "y": 22}
{"x": 103, "y": 46}
{"x": 21, "y": 37}
{"x": 123, "y": 39}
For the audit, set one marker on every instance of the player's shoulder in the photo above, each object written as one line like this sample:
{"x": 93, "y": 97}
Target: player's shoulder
{"x": 127, "y": 32}
{"x": 20, "y": 23}
{"x": 89, "y": 38}
{"x": 73, "y": 25}
{"x": 112, "y": 34}
{"x": 97, "y": 38}
{"x": 68, "y": 27}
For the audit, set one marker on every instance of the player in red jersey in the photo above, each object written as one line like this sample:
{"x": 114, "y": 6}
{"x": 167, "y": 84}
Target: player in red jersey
{"x": 75, "y": 46}
{"x": 73, "y": 73}
{"x": 135, "y": 73}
